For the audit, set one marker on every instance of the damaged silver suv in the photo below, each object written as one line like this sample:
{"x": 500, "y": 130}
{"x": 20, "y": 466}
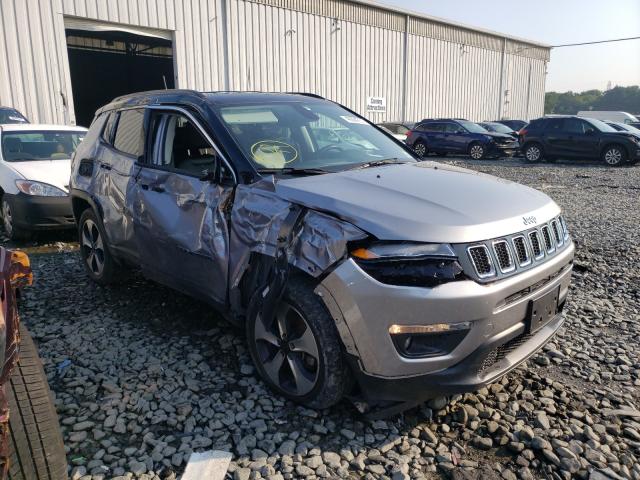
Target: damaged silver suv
{"x": 355, "y": 269}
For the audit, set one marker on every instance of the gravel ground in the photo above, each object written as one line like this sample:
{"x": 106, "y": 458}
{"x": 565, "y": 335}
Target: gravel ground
{"x": 154, "y": 375}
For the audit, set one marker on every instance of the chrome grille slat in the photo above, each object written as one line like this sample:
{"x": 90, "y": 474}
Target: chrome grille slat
{"x": 536, "y": 245}
{"x": 503, "y": 256}
{"x": 521, "y": 250}
{"x": 559, "y": 238}
{"x": 546, "y": 235}
{"x": 481, "y": 259}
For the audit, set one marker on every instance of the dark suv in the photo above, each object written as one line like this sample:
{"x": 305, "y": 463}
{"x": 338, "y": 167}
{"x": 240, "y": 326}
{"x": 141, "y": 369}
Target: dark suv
{"x": 459, "y": 136}
{"x": 571, "y": 136}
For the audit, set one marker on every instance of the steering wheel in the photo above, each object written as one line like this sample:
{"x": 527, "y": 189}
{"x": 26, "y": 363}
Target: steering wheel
{"x": 330, "y": 147}
{"x": 274, "y": 147}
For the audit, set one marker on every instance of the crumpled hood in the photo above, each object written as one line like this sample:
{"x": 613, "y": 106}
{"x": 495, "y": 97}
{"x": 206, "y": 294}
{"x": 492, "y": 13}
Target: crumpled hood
{"x": 423, "y": 202}
{"x": 53, "y": 172}
{"x": 497, "y": 135}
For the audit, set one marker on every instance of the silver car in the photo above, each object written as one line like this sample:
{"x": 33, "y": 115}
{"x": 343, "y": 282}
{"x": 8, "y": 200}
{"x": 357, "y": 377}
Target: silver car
{"x": 354, "y": 268}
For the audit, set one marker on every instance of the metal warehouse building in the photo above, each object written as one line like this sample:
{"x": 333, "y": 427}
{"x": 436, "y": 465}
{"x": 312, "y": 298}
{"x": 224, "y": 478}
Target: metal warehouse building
{"x": 61, "y": 59}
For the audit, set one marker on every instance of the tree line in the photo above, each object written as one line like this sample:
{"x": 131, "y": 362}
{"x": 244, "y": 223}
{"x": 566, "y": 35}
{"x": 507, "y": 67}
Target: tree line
{"x": 625, "y": 99}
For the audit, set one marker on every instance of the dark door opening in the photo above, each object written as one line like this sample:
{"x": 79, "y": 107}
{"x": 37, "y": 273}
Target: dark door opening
{"x": 105, "y": 65}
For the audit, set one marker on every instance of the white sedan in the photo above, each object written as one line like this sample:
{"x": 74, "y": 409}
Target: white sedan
{"x": 35, "y": 166}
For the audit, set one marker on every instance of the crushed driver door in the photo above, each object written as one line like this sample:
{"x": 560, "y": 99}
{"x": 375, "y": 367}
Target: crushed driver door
{"x": 180, "y": 212}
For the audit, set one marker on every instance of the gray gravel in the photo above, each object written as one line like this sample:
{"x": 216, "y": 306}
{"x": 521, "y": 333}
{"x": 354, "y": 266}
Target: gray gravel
{"x": 155, "y": 375}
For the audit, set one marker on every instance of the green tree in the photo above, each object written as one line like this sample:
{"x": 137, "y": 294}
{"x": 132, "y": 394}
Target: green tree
{"x": 626, "y": 99}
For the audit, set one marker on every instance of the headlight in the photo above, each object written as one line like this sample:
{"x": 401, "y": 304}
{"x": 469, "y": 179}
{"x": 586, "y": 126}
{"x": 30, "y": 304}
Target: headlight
{"x": 635, "y": 140}
{"x": 409, "y": 264}
{"x": 39, "y": 189}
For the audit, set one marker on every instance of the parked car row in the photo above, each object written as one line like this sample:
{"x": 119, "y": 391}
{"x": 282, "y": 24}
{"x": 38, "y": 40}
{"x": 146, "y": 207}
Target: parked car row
{"x": 546, "y": 138}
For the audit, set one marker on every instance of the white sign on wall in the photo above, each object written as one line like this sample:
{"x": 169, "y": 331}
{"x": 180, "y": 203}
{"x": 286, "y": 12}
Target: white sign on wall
{"x": 376, "y": 104}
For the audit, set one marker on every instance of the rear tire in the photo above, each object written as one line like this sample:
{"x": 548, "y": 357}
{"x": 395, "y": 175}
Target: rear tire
{"x": 36, "y": 449}
{"x": 614, "y": 155}
{"x": 533, "y": 152}
{"x": 324, "y": 375}
{"x": 96, "y": 256}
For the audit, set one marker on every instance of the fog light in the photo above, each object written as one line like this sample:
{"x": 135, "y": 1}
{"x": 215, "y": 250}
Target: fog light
{"x": 423, "y": 341}
{"x": 422, "y": 329}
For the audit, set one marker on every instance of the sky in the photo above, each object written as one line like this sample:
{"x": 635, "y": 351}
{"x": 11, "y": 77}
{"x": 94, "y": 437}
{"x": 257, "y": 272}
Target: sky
{"x": 556, "y": 22}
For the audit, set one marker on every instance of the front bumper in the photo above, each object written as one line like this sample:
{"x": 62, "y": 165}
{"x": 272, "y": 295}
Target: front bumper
{"x": 504, "y": 149}
{"x": 364, "y": 309}
{"x": 32, "y": 212}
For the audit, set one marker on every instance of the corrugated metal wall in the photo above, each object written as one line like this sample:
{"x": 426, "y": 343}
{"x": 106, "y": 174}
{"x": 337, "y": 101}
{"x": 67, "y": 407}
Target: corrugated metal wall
{"x": 276, "y": 49}
{"x": 345, "y": 51}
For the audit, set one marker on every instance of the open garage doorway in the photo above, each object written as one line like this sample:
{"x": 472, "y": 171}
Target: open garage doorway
{"x": 105, "y": 64}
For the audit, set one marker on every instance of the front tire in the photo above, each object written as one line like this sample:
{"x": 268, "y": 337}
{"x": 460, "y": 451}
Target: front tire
{"x": 299, "y": 353}
{"x": 421, "y": 149}
{"x": 96, "y": 257}
{"x": 8, "y": 222}
{"x": 477, "y": 151}
{"x": 36, "y": 450}
{"x": 614, "y": 155}
{"x": 533, "y": 153}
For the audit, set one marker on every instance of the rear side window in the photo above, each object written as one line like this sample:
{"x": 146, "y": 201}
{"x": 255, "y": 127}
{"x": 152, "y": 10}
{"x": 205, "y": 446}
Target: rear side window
{"x": 573, "y": 125}
{"x": 107, "y": 131}
{"x": 432, "y": 127}
{"x": 554, "y": 125}
{"x": 129, "y": 136}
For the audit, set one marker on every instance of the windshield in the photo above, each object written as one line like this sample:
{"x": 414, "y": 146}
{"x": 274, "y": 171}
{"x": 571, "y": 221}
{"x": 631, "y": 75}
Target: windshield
{"x": 628, "y": 128}
{"x": 600, "y": 125}
{"x": 9, "y": 115}
{"x": 314, "y": 135}
{"x": 498, "y": 127}
{"x": 472, "y": 127}
{"x": 39, "y": 145}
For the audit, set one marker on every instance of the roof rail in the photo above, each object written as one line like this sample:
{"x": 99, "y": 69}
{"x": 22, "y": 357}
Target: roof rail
{"x": 307, "y": 94}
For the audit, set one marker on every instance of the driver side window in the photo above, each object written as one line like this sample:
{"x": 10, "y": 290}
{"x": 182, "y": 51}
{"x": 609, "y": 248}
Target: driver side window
{"x": 177, "y": 144}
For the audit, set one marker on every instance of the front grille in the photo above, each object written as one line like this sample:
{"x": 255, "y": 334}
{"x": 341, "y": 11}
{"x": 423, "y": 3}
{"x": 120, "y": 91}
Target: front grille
{"x": 503, "y": 255}
{"x": 481, "y": 260}
{"x": 534, "y": 237}
{"x": 520, "y": 246}
{"x": 547, "y": 238}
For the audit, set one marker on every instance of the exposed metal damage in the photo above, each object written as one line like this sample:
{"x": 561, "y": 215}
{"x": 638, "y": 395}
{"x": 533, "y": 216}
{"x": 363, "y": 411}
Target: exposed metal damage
{"x": 270, "y": 234}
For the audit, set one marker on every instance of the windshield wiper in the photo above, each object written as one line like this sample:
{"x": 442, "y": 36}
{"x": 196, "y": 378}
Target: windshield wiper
{"x": 294, "y": 171}
{"x": 377, "y": 163}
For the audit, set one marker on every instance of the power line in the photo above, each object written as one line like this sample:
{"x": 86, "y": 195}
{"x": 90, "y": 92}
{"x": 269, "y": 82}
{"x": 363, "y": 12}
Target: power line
{"x": 592, "y": 43}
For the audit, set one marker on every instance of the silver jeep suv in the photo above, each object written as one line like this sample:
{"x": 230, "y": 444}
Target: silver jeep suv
{"x": 355, "y": 269}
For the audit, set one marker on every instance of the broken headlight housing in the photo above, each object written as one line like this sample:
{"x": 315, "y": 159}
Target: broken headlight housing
{"x": 409, "y": 264}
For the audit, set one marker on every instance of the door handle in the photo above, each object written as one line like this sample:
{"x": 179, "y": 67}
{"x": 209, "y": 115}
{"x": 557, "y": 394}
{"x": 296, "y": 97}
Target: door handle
{"x": 105, "y": 166}
{"x": 158, "y": 188}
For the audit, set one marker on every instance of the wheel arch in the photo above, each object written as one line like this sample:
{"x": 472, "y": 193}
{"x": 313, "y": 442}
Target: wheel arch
{"x": 80, "y": 201}
{"x": 613, "y": 143}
